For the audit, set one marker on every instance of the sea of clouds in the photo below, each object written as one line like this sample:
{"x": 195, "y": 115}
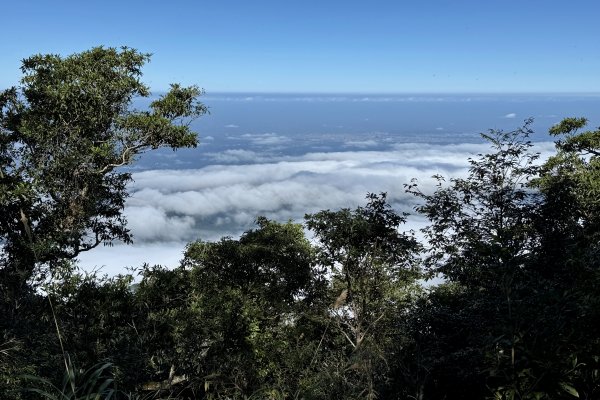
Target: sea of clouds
{"x": 169, "y": 208}
{"x": 282, "y": 156}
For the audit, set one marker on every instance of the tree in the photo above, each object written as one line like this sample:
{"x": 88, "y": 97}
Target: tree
{"x": 479, "y": 228}
{"x": 569, "y": 228}
{"x": 65, "y": 132}
{"x": 482, "y": 237}
{"x": 373, "y": 272}
{"x": 517, "y": 242}
{"x": 573, "y": 176}
{"x": 245, "y": 302}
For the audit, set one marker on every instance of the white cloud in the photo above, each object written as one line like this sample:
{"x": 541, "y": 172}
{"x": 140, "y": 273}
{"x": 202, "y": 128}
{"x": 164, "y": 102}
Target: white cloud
{"x": 510, "y": 115}
{"x": 233, "y": 156}
{"x": 178, "y": 206}
{"x": 187, "y": 201}
{"x": 113, "y": 260}
{"x": 266, "y": 139}
{"x": 232, "y": 126}
{"x": 361, "y": 143}
{"x": 151, "y": 224}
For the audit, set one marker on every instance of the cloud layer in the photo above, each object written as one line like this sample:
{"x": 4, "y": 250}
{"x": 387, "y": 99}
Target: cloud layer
{"x": 178, "y": 204}
{"x": 171, "y": 207}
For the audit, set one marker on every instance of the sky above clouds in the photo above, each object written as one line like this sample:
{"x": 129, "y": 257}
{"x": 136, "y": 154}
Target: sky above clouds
{"x": 325, "y": 46}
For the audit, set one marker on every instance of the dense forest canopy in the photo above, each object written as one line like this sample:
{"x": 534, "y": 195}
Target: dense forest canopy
{"x": 272, "y": 314}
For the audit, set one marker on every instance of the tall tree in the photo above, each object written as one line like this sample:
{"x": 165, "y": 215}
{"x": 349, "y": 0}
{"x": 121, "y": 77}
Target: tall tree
{"x": 518, "y": 243}
{"x": 373, "y": 273}
{"x": 568, "y": 268}
{"x": 482, "y": 238}
{"x": 65, "y": 131}
{"x": 241, "y": 333}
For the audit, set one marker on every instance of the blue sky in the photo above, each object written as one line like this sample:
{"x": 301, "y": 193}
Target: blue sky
{"x": 325, "y": 46}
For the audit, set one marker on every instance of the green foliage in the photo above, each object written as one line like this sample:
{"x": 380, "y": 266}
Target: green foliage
{"x": 273, "y": 314}
{"x": 9, "y": 367}
{"x": 481, "y": 237}
{"x": 92, "y": 384}
{"x": 246, "y": 297}
{"x": 479, "y": 233}
{"x": 569, "y": 222}
{"x": 275, "y": 260}
{"x": 98, "y": 319}
{"x": 587, "y": 142}
{"x": 64, "y": 133}
{"x": 372, "y": 271}
{"x": 516, "y": 239}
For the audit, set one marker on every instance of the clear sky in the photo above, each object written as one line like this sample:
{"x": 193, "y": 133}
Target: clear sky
{"x": 326, "y": 45}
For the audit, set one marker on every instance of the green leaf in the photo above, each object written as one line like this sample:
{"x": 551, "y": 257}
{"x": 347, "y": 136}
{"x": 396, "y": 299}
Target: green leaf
{"x": 569, "y": 389}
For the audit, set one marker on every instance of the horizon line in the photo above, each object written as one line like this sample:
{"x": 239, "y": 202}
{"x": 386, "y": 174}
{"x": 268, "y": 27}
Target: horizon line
{"x": 407, "y": 93}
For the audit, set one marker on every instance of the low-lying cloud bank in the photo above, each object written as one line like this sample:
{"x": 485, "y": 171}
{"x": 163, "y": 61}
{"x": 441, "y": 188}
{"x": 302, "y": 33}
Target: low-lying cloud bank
{"x": 169, "y": 208}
